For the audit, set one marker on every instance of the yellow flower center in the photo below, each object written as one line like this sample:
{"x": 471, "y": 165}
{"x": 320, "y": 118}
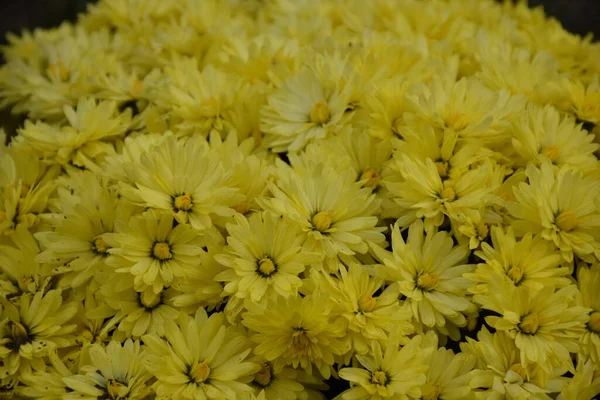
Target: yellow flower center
{"x": 433, "y": 393}
{"x": 551, "y": 152}
{"x": 266, "y": 267}
{"x": 183, "y": 202}
{"x": 530, "y": 324}
{"x": 116, "y": 389}
{"x": 448, "y": 194}
{"x": 442, "y": 167}
{"x": 378, "y": 378}
{"x": 366, "y": 303}
{"x": 594, "y": 322}
{"x": 58, "y": 70}
{"x": 322, "y": 221}
{"x": 100, "y": 245}
{"x": 518, "y": 368}
{"x": 566, "y": 221}
{"x": 18, "y": 332}
{"x": 457, "y": 121}
{"x": 371, "y": 177}
{"x": 199, "y": 372}
{"x": 87, "y": 336}
{"x": 427, "y": 281}
{"x": 320, "y": 113}
{"x": 242, "y": 207}
{"x": 300, "y": 340}
{"x": 263, "y": 377}
{"x": 482, "y": 229}
{"x": 162, "y": 251}
{"x": 397, "y": 126}
{"x": 515, "y": 273}
{"x": 149, "y": 299}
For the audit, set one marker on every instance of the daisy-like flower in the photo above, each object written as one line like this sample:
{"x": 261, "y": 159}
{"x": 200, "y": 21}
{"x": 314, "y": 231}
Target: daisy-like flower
{"x": 76, "y": 246}
{"x": 543, "y": 134}
{"x": 297, "y": 331}
{"x": 585, "y": 383}
{"x": 47, "y": 384}
{"x": 90, "y": 128}
{"x": 558, "y": 204}
{"x": 500, "y": 371}
{"x": 545, "y": 324}
{"x": 588, "y": 281}
{"x": 337, "y": 214}
{"x": 448, "y": 376}
{"x": 306, "y": 108}
{"x": 385, "y": 107}
{"x": 370, "y": 315}
{"x": 115, "y": 371}
{"x": 282, "y": 383}
{"x": 263, "y": 257}
{"x": 28, "y": 333}
{"x": 394, "y": 372}
{"x": 184, "y": 177}
{"x": 20, "y": 272}
{"x": 428, "y": 269}
{"x": 154, "y": 252}
{"x": 529, "y": 262}
{"x": 200, "y": 358}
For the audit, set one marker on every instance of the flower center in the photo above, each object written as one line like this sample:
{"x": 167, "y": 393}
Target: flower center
{"x": 199, "y": 372}
{"x": 116, "y": 390}
{"x": 518, "y": 368}
{"x": 266, "y": 267}
{"x": 263, "y": 377}
{"x": 299, "y": 339}
{"x": 442, "y": 168}
{"x": 18, "y": 333}
{"x": 320, "y": 113}
{"x": 427, "y": 281}
{"x": 371, "y": 177}
{"x": 162, "y": 251}
{"x": 566, "y": 221}
{"x": 24, "y": 283}
{"x": 515, "y": 273}
{"x": 366, "y": 303}
{"x": 551, "y": 152}
{"x": 322, "y": 221}
{"x": 457, "y": 121}
{"x": 434, "y": 392}
{"x": 378, "y": 378}
{"x": 183, "y": 202}
{"x": 594, "y": 322}
{"x": 149, "y": 300}
{"x": 99, "y": 245}
{"x": 530, "y": 324}
{"x": 397, "y": 126}
{"x": 448, "y": 194}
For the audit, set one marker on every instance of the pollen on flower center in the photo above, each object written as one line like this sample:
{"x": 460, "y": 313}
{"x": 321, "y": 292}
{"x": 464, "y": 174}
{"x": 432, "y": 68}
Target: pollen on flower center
{"x": 594, "y": 322}
{"x": 518, "y": 368}
{"x": 100, "y": 246}
{"x": 566, "y": 221}
{"x": 263, "y": 377}
{"x": 162, "y": 251}
{"x": 115, "y": 389}
{"x": 320, "y": 113}
{"x": 427, "y": 281}
{"x": 266, "y": 267}
{"x": 379, "y": 378}
{"x": 299, "y": 339}
{"x": 366, "y": 303}
{"x": 442, "y": 167}
{"x": 19, "y": 333}
{"x": 371, "y": 177}
{"x": 322, "y": 221}
{"x": 448, "y": 194}
{"x": 551, "y": 152}
{"x": 199, "y": 372}
{"x": 515, "y": 273}
{"x": 530, "y": 324}
{"x": 183, "y": 202}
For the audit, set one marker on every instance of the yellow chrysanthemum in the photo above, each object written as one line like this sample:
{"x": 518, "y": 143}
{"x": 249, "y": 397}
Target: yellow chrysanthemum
{"x": 588, "y": 281}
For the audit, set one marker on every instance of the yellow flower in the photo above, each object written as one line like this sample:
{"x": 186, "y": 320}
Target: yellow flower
{"x": 297, "y": 331}
{"x": 428, "y": 271}
{"x": 154, "y": 252}
{"x": 385, "y": 107}
{"x": 559, "y": 204}
{"x": 588, "y": 281}
{"x": 201, "y": 357}
{"x": 264, "y": 257}
{"x": 585, "y": 383}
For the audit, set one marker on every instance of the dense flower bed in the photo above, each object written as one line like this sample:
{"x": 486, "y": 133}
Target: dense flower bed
{"x": 227, "y": 199}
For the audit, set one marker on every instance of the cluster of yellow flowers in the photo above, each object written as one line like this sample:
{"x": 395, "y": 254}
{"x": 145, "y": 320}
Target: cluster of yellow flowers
{"x": 282, "y": 199}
